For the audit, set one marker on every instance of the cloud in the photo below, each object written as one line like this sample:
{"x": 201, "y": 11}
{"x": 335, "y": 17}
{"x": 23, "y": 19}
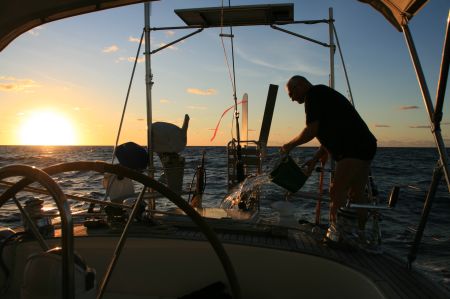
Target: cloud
{"x": 408, "y": 107}
{"x": 35, "y": 31}
{"x": 14, "y": 84}
{"x": 140, "y": 119}
{"x": 420, "y": 127}
{"x": 382, "y": 126}
{"x": 169, "y": 32}
{"x": 297, "y": 67}
{"x": 135, "y": 40}
{"x": 207, "y": 92}
{"x": 164, "y": 101}
{"x": 131, "y": 59}
{"x": 197, "y": 107}
{"x": 110, "y": 49}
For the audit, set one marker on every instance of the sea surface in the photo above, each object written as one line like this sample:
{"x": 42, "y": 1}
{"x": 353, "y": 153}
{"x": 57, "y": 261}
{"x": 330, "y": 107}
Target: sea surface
{"x": 409, "y": 168}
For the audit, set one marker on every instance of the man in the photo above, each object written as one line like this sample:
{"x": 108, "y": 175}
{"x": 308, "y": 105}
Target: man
{"x": 342, "y": 133}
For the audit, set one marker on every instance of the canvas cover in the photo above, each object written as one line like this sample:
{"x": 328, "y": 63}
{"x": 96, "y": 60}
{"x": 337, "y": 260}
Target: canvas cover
{"x": 19, "y": 16}
{"x": 397, "y": 12}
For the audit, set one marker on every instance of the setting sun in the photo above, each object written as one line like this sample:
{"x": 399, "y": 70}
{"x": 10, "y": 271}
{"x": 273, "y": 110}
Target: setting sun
{"x": 47, "y": 128}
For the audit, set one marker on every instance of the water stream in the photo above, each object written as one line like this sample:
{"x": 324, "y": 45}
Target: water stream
{"x": 245, "y": 195}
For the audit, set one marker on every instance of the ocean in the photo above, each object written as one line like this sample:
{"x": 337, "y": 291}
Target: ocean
{"x": 409, "y": 168}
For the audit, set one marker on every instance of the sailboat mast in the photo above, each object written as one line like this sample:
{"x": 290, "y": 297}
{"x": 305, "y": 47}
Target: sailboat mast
{"x": 148, "y": 87}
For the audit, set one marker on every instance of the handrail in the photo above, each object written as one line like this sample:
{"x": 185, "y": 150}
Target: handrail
{"x": 31, "y": 175}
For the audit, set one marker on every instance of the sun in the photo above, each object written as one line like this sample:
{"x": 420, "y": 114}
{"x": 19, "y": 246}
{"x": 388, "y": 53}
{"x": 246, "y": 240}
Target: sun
{"x": 47, "y": 128}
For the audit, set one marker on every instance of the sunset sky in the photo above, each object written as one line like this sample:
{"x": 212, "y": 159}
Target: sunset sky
{"x": 65, "y": 82}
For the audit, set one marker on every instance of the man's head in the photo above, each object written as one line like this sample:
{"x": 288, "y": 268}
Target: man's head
{"x": 297, "y": 87}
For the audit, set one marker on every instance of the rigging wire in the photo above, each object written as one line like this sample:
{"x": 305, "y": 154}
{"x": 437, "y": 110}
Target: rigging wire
{"x": 231, "y": 71}
{"x": 343, "y": 65}
{"x": 225, "y": 51}
{"x": 127, "y": 97}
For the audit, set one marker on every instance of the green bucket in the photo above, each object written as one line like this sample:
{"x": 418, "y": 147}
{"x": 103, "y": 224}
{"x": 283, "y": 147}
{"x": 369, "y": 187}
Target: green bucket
{"x": 288, "y": 175}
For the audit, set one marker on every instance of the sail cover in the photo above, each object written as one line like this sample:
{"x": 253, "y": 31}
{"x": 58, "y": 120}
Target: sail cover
{"x": 19, "y": 16}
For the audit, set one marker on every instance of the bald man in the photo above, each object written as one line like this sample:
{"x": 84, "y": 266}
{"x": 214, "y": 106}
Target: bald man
{"x": 343, "y": 134}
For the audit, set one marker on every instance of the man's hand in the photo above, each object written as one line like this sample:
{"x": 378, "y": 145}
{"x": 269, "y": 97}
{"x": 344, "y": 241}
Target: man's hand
{"x": 310, "y": 164}
{"x": 286, "y": 148}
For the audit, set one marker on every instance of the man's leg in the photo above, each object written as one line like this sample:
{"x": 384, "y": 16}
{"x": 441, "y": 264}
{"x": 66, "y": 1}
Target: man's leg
{"x": 339, "y": 188}
{"x": 350, "y": 179}
{"x": 357, "y": 192}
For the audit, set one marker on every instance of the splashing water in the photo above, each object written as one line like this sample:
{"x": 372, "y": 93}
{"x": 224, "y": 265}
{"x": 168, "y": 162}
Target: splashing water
{"x": 245, "y": 194}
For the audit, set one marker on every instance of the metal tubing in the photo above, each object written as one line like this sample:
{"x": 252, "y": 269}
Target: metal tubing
{"x": 437, "y": 175}
{"x": 120, "y": 245}
{"x": 175, "y": 27}
{"x": 307, "y": 22}
{"x": 428, "y": 104}
{"x": 332, "y": 47}
{"x": 148, "y": 85}
{"x": 443, "y": 75}
{"x": 176, "y": 41}
{"x": 240, "y": 175}
{"x": 319, "y": 199}
{"x": 299, "y": 35}
{"x": 148, "y": 91}
{"x": 236, "y": 113}
{"x": 331, "y": 83}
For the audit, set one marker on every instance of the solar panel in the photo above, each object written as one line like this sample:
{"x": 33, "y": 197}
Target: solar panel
{"x": 243, "y": 15}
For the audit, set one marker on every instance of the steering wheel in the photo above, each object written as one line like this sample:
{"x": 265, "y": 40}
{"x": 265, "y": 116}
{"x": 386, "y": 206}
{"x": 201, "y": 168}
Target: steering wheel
{"x": 102, "y": 167}
{"x": 30, "y": 175}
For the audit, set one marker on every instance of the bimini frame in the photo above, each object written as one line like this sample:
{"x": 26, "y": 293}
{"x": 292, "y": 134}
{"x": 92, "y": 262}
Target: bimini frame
{"x": 435, "y": 117}
{"x": 399, "y": 13}
{"x": 273, "y": 15}
{"x": 282, "y": 14}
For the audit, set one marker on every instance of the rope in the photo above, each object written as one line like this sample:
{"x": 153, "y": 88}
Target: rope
{"x": 128, "y": 95}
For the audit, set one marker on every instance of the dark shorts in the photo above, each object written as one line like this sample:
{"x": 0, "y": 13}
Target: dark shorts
{"x": 365, "y": 152}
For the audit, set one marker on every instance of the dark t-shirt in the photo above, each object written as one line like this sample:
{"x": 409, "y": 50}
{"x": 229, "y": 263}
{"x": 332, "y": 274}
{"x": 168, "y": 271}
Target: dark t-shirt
{"x": 341, "y": 130}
